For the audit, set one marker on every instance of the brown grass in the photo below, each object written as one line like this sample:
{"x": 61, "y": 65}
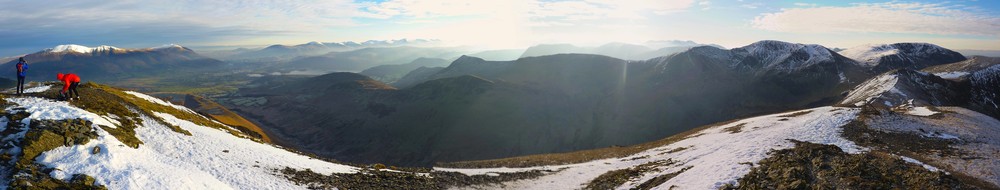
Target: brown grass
{"x": 735, "y": 128}
{"x": 226, "y": 116}
{"x": 796, "y": 114}
{"x": 579, "y": 156}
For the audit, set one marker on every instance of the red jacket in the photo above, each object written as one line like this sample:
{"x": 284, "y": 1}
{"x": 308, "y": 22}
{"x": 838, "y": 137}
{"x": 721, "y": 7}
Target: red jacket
{"x": 67, "y": 79}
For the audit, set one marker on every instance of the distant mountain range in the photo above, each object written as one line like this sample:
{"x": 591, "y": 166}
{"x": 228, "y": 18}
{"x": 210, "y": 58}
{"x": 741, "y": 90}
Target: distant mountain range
{"x": 768, "y": 115}
{"x": 544, "y": 104}
{"x": 280, "y": 52}
{"x": 392, "y": 73}
{"x": 361, "y": 59}
{"x": 617, "y": 50}
{"x": 104, "y": 63}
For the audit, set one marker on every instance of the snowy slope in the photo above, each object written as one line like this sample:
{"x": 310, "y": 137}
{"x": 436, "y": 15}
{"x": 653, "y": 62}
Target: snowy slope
{"x": 720, "y": 155}
{"x": 905, "y": 86}
{"x": 960, "y": 70}
{"x": 73, "y": 48}
{"x": 80, "y": 49}
{"x": 784, "y": 55}
{"x": 884, "y": 57}
{"x": 713, "y": 155}
{"x": 207, "y": 159}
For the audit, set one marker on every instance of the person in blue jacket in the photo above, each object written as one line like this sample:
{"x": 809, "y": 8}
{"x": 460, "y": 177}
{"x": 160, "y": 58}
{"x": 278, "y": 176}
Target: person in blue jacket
{"x": 22, "y": 70}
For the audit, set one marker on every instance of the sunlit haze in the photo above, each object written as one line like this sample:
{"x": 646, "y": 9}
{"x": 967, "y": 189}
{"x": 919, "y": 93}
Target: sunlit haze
{"x": 29, "y": 26}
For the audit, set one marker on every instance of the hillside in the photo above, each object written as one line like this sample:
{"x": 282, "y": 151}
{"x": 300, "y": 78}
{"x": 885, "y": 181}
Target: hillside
{"x": 785, "y": 150}
{"x": 537, "y": 105}
{"x": 901, "y": 129}
{"x": 114, "y": 139}
{"x": 617, "y": 50}
{"x": 392, "y": 73}
{"x": 961, "y": 69}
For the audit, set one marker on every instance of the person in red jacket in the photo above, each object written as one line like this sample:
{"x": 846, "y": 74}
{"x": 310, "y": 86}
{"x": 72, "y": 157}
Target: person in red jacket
{"x": 70, "y": 82}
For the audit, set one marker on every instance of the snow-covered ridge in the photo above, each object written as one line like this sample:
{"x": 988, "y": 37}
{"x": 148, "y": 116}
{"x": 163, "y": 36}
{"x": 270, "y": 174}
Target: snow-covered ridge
{"x": 773, "y": 52}
{"x": 871, "y": 54}
{"x": 74, "y": 48}
{"x": 909, "y": 87}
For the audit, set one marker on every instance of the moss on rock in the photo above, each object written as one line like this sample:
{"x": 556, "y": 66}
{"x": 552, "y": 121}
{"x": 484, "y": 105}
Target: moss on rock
{"x": 41, "y": 136}
{"x": 818, "y": 166}
{"x": 383, "y": 179}
{"x": 615, "y": 178}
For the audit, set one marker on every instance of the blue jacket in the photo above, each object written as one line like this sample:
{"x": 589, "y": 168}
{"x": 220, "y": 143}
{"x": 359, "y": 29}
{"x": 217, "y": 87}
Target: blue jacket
{"x": 23, "y": 69}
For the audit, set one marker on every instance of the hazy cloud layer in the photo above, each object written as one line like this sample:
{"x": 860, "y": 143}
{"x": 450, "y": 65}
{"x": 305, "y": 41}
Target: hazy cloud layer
{"x": 892, "y": 17}
{"x": 27, "y": 26}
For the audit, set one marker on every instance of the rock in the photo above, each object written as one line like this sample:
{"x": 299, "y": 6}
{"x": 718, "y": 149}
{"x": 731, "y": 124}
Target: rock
{"x": 96, "y": 150}
{"x": 83, "y": 179}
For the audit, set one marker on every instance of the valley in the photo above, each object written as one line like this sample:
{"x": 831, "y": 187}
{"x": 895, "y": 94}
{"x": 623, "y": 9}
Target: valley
{"x": 542, "y": 117}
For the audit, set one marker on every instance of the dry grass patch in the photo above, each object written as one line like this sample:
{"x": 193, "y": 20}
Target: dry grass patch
{"x": 735, "y": 128}
{"x": 615, "y": 178}
{"x": 796, "y": 114}
{"x": 818, "y": 166}
{"x": 580, "y": 156}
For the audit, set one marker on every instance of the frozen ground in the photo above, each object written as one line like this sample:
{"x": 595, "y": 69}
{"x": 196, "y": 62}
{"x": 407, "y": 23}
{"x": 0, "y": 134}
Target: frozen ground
{"x": 713, "y": 155}
{"x": 208, "y": 159}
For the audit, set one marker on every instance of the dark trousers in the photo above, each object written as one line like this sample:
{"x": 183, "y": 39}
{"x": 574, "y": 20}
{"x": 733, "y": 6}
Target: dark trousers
{"x": 20, "y": 84}
{"x": 72, "y": 90}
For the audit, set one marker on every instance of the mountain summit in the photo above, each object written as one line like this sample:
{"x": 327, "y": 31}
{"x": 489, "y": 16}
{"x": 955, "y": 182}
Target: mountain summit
{"x": 108, "y": 63}
{"x": 884, "y": 57}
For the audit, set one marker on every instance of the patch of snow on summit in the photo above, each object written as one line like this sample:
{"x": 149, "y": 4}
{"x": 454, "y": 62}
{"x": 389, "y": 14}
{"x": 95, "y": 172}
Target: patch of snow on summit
{"x": 921, "y": 111}
{"x": 952, "y": 75}
{"x": 37, "y": 89}
{"x": 42, "y": 109}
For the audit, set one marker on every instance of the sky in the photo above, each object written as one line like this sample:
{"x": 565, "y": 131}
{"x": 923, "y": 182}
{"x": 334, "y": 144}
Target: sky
{"x": 28, "y": 26}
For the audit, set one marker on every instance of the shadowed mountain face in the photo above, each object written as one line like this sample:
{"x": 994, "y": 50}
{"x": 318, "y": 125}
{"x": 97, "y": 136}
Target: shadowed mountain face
{"x": 476, "y": 109}
{"x": 358, "y": 60}
{"x": 113, "y": 64}
{"x": 617, "y": 50}
{"x": 392, "y": 73}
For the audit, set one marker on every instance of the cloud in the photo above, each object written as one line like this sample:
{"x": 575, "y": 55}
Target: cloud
{"x": 32, "y": 25}
{"x": 806, "y": 4}
{"x": 892, "y": 17}
{"x": 515, "y": 23}
{"x": 40, "y": 24}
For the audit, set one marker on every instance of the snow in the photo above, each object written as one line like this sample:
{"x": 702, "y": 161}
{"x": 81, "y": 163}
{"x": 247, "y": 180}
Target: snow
{"x": 952, "y": 75}
{"x": 158, "y": 101}
{"x": 864, "y": 93}
{"x": 921, "y": 111}
{"x": 774, "y": 52}
{"x": 941, "y": 136}
{"x": 103, "y": 48}
{"x": 208, "y": 159}
{"x": 915, "y": 161}
{"x": 71, "y": 48}
{"x": 41, "y": 108}
{"x": 870, "y": 55}
{"x": 37, "y": 89}
{"x": 714, "y": 154}
{"x": 80, "y": 49}
{"x": 168, "y": 46}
